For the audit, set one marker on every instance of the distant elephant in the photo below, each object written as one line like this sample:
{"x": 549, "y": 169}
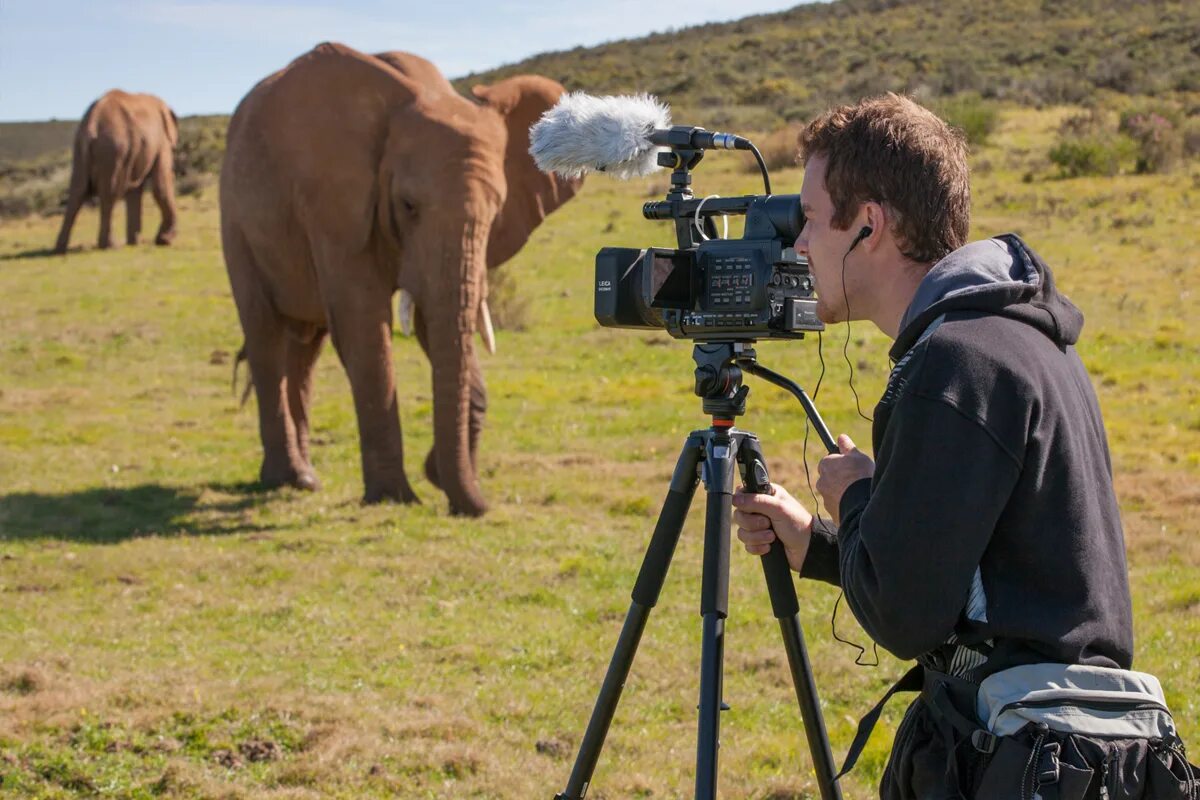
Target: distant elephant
{"x": 348, "y": 177}
{"x": 123, "y": 142}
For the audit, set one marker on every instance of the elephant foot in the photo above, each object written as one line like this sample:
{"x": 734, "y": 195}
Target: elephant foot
{"x": 472, "y": 507}
{"x": 164, "y": 239}
{"x": 403, "y": 495}
{"x": 60, "y": 250}
{"x": 431, "y": 473}
{"x": 303, "y": 478}
{"x": 133, "y": 241}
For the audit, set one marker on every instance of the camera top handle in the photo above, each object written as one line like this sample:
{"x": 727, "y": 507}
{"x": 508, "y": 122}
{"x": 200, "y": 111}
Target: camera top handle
{"x": 687, "y": 145}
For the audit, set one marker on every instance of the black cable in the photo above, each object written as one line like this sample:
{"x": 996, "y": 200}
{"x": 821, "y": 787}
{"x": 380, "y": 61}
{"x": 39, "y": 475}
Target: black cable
{"x": 804, "y": 448}
{"x": 762, "y": 167}
{"x": 846, "y": 344}
{"x": 862, "y": 651}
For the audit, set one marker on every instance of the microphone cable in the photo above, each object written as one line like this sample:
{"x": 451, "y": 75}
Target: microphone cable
{"x": 859, "y": 659}
{"x": 762, "y": 167}
{"x": 846, "y": 343}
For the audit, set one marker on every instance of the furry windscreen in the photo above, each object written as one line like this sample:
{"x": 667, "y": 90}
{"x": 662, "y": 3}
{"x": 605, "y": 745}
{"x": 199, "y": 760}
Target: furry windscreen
{"x": 584, "y": 133}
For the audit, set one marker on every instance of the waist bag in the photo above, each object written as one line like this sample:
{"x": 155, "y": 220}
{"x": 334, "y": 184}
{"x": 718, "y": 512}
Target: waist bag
{"x": 1067, "y": 698}
{"x": 1018, "y": 722}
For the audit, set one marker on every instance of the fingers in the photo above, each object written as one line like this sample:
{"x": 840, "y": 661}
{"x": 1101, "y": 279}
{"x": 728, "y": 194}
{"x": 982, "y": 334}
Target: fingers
{"x": 751, "y": 522}
{"x": 764, "y": 504}
{"x": 757, "y": 542}
{"x": 845, "y": 444}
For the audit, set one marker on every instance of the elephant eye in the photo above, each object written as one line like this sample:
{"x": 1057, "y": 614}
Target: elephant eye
{"x": 410, "y": 208}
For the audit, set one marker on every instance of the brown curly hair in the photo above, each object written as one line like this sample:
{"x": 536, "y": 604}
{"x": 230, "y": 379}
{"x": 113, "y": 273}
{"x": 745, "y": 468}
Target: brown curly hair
{"x": 892, "y": 151}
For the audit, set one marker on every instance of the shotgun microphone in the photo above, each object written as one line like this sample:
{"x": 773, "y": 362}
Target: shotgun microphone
{"x": 619, "y": 135}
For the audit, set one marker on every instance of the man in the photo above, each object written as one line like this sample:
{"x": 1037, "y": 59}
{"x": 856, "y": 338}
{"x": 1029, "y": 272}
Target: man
{"x": 985, "y": 541}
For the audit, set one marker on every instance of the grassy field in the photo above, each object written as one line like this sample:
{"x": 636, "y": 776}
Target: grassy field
{"x": 168, "y": 631}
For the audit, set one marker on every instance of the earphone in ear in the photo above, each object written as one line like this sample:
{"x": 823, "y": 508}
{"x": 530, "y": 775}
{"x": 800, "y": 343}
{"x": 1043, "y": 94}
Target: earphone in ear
{"x": 863, "y": 232}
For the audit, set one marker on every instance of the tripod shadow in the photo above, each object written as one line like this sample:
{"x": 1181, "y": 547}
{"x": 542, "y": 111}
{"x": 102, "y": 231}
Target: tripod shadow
{"x": 109, "y": 516}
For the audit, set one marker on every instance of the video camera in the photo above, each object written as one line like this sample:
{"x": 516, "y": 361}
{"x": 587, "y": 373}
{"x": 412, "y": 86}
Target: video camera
{"x": 755, "y": 287}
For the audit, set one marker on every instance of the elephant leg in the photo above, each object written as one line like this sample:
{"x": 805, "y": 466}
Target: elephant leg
{"x": 478, "y": 405}
{"x": 107, "y": 201}
{"x": 361, "y": 328}
{"x": 267, "y": 353}
{"x": 162, "y": 184}
{"x": 133, "y": 215}
{"x": 301, "y": 357}
{"x": 75, "y": 200}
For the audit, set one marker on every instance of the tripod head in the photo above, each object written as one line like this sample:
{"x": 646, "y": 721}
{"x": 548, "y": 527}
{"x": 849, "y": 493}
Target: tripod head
{"x": 719, "y": 377}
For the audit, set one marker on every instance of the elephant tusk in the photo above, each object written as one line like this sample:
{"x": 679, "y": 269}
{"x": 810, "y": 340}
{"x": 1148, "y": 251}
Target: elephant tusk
{"x": 485, "y": 328}
{"x": 405, "y": 312}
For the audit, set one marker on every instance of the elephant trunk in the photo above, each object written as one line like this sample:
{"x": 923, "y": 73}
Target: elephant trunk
{"x": 451, "y": 326}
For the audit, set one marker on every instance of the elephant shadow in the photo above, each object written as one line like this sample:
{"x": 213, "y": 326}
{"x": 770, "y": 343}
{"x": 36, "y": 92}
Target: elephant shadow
{"x": 112, "y": 515}
{"x": 40, "y": 252}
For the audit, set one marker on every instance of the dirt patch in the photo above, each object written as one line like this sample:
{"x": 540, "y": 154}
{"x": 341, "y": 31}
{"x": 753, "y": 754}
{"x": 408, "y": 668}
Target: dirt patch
{"x": 257, "y": 750}
{"x": 555, "y": 748}
{"x": 24, "y": 682}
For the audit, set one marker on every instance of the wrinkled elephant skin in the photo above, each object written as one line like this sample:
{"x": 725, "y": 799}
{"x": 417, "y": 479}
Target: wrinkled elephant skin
{"x": 348, "y": 177}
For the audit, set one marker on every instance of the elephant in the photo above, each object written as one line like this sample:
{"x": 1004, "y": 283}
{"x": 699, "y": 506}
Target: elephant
{"x": 123, "y": 142}
{"x": 349, "y": 177}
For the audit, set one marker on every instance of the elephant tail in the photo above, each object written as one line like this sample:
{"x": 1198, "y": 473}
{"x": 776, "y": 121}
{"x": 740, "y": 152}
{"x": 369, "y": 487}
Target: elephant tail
{"x": 237, "y": 362}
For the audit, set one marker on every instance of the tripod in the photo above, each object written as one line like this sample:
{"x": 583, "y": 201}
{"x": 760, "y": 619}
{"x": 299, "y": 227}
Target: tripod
{"x": 717, "y": 449}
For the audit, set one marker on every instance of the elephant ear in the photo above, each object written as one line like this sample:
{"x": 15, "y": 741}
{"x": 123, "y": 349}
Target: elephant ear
{"x": 532, "y": 194}
{"x": 170, "y": 124}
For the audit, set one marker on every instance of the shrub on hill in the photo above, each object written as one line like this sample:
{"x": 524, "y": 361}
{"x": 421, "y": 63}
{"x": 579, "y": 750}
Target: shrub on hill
{"x": 779, "y": 148}
{"x": 1087, "y": 144}
{"x": 1158, "y": 134}
{"x": 971, "y": 114}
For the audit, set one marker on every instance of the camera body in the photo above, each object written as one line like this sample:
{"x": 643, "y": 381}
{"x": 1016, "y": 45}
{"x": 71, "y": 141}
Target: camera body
{"x": 755, "y": 287}
{"x": 711, "y": 289}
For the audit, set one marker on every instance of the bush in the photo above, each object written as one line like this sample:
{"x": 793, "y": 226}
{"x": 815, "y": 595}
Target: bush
{"x": 1191, "y": 138}
{"x": 1088, "y": 145}
{"x": 1092, "y": 154}
{"x": 38, "y": 186}
{"x": 199, "y": 152}
{"x": 779, "y": 149}
{"x": 971, "y": 114}
{"x": 1157, "y": 136}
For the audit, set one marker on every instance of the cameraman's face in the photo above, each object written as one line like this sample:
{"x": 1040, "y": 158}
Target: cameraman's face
{"x": 824, "y": 245}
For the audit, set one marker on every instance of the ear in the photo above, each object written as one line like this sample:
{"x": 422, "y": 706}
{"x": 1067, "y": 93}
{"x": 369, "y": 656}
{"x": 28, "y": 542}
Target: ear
{"x": 532, "y": 194}
{"x": 170, "y": 124}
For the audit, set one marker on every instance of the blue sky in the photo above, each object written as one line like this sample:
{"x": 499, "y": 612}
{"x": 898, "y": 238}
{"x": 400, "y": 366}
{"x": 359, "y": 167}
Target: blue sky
{"x": 202, "y": 56}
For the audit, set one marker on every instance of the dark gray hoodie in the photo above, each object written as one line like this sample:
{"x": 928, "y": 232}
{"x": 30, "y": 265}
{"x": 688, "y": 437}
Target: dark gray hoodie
{"x": 990, "y": 528}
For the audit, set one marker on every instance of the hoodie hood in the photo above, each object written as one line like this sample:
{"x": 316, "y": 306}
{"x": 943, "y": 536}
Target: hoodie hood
{"x": 1001, "y": 276}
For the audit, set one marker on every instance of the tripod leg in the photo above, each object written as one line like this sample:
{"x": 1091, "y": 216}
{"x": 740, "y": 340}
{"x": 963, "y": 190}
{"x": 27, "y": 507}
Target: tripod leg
{"x": 714, "y": 606}
{"x": 645, "y": 596}
{"x": 787, "y": 610}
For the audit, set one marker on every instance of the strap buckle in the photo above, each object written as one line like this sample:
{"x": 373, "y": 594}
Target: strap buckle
{"x": 984, "y": 741}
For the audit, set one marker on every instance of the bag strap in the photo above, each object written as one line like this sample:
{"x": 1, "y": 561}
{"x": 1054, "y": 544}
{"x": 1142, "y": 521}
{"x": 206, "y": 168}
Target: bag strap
{"x": 912, "y": 681}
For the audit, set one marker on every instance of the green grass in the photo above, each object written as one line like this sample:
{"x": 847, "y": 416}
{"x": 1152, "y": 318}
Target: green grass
{"x": 167, "y": 631}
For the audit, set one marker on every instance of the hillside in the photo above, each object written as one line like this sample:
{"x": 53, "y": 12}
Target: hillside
{"x": 24, "y": 141}
{"x": 790, "y": 64}
{"x": 756, "y": 71}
